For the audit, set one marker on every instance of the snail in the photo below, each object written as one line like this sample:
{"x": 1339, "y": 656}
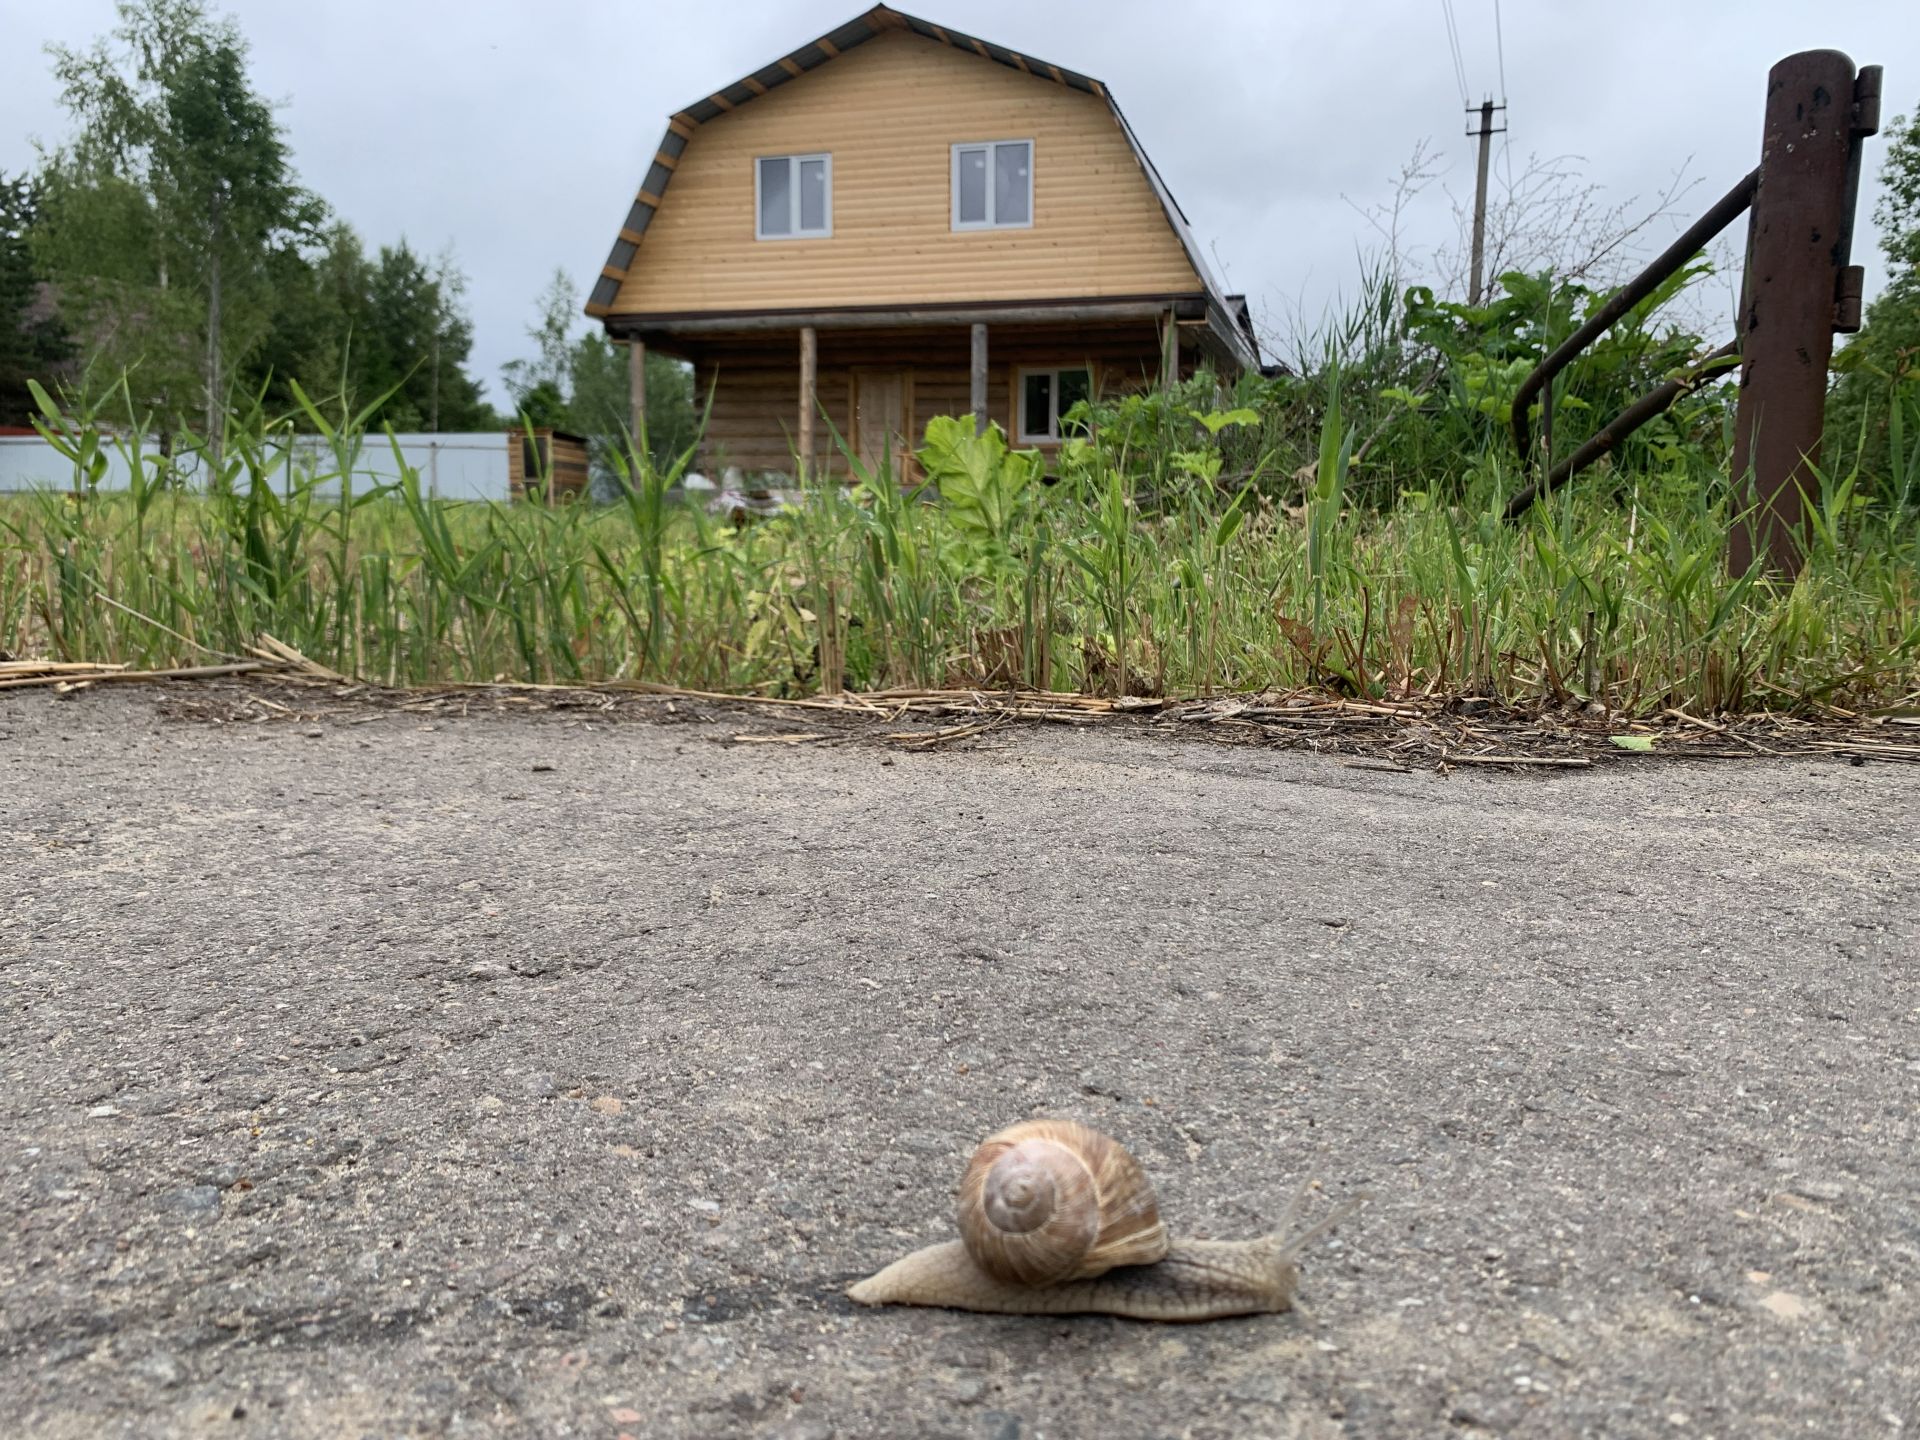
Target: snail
{"x": 1058, "y": 1219}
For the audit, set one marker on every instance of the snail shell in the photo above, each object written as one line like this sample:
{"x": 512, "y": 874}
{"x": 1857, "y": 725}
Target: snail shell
{"x": 1054, "y": 1200}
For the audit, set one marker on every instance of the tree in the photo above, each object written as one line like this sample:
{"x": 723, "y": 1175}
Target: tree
{"x": 174, "y": 208}
{"x": 352, "y": 329}
{"x": 93, "y": 242}
{"x": 320, "y": 323}
{"x": 454, "y": 400}
{"x": 417, "y": 342}
{"x": 1547, "y": 218}
{"x": 1880, "y": 367}
{"x": 551, "y": 333}
{"x": 602, "y": 400}
{"x": 583, "y": 385}
{"x": 33, "y": 344}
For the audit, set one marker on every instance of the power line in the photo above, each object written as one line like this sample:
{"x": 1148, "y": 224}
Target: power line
{"x": 1500, "y": 50}
{"x": 1453, "y": 42}
{"x": 1500, "y": 46}
{"x": 1453, "y": 45}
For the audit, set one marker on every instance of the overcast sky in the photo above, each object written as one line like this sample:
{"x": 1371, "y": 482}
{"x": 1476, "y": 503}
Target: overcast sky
{"x": 516, "y": 132}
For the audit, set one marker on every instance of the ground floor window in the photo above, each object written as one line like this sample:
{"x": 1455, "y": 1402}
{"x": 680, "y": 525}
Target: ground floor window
{"x": 1046, "y": 395}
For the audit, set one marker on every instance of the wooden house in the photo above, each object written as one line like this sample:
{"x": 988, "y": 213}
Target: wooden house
{"x": 898, "y": 221}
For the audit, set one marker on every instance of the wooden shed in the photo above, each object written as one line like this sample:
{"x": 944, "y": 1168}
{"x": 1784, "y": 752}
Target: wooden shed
{"x": 546, "y": 463}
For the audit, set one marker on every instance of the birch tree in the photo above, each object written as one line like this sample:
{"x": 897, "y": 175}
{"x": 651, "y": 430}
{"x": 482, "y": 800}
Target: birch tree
{"x": 166, "y": 210}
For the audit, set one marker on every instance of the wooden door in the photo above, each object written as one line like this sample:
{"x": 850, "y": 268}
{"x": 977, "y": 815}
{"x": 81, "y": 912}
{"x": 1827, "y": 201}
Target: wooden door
{"x": 882, "y": 423}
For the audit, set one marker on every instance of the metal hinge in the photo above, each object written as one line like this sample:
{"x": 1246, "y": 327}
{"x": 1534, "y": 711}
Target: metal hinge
{"x": 1846, "y": 304}
{"x": 1865, "y": 116}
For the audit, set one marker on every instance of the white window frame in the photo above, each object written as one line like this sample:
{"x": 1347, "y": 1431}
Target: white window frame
{"x": 793, "y": 197}
{"x": 993, "y": 164}
{"x": 1020, "y": 374}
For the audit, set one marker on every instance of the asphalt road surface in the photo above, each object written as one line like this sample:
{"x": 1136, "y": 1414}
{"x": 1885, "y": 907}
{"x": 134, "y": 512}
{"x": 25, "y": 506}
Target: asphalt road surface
{"x": 366, "y": 1077}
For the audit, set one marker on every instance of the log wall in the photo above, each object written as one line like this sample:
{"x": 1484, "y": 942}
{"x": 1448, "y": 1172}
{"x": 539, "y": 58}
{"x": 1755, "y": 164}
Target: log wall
{"x": 755, "y": 383}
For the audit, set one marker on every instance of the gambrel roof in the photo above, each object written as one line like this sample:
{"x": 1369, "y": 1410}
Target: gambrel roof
{"x": 1230, "y": 321}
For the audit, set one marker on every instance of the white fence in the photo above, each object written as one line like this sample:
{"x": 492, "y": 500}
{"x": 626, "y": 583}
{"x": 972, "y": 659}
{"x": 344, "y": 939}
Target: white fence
{"x": 453, "y": 467}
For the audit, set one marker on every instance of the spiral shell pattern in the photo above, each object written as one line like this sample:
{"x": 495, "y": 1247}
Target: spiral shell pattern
{"x": 1048, "y": 1201}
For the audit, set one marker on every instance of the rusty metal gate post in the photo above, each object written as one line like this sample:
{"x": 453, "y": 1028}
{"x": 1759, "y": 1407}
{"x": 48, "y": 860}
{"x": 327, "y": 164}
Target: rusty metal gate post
{"x": 1796, "y": 262}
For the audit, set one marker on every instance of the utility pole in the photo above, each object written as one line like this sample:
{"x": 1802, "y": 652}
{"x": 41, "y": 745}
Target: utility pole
{"x": 1486, "y": 132}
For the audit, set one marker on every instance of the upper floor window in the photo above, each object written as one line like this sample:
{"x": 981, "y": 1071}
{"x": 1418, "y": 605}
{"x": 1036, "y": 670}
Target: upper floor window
{"x": 793, "y": 196}
{"x": 993, "y": 185}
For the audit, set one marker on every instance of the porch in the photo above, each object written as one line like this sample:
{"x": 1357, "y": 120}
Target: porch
{"x": 786, "y": 385}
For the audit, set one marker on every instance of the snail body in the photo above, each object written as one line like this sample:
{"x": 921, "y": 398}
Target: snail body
{"x": 1195, "y": 1280}
{"x": 1058, "y": 1219}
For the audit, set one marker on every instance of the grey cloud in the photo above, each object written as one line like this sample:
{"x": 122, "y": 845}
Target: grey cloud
{"x": 516, "y": 132}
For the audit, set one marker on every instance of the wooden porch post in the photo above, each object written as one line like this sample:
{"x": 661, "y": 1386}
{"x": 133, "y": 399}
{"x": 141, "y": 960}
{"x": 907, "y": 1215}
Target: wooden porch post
{"x": 637, "y": 390}
{"x": 1169, "y": 350}
{"x": 977, "y": 393}
{"x": 809, "y": 376}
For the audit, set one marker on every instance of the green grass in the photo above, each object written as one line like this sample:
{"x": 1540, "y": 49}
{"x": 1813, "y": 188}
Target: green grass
{"x": 997, "y": 580}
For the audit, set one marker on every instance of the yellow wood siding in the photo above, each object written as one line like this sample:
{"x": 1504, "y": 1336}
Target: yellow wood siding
{"x": 889, "y": 113}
